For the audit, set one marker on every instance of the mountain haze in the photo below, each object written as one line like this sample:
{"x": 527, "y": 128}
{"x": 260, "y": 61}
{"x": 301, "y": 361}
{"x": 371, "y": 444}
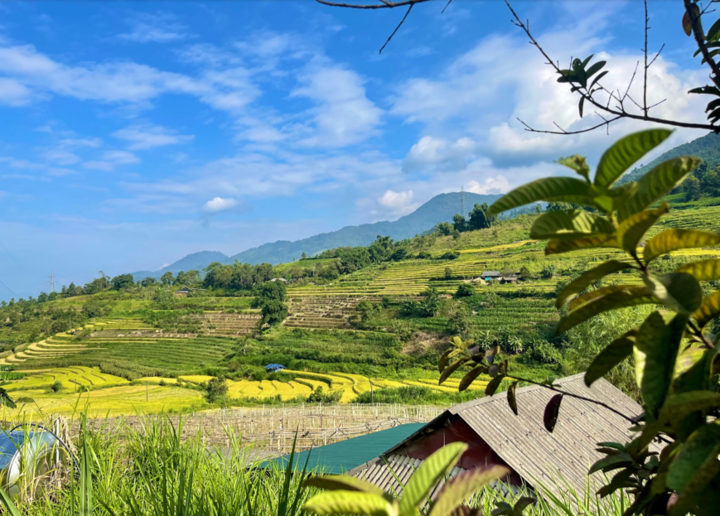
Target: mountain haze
{"x": 440, "y": 208}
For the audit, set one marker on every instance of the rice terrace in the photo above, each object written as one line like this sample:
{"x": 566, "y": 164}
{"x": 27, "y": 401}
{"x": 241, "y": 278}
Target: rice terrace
{"x": 471, "y": 270}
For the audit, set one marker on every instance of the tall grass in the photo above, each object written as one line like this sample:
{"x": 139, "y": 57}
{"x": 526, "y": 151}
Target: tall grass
{"x": 150, "y": 471}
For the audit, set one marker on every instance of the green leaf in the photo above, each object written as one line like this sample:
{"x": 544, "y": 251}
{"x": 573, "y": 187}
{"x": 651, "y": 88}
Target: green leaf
{"x": 464, "y": 486}
{"x": 578, "y": 164}
{"x": 619, "y": 481}
{"x": 444, "y": 360}
{"x": 595, "y": 68}
{"x": 656, "y": 348}
{"x": 706, "y": 90}
{"x": 709, "y": 310}
{"x": 588, "y": 278}
{"x": 604, "y": 300}
{"x": 657, "y": 183}
{"x": 694, "y": 466}
{"x": 344, "y": 483}
{"x": 552, "y": 411}
{"x": 580, "y": 106}
{"x": 511, "y": 397}
{"x": 674, "y": 239}
{"x": 8, "y": 503}
{"x": 678, "y": 406}
{"x": 350, "y": 502}
{"x": 570, "y": 225}
{"x": 633, "y": 228}
{"x": 430, "y": 472}
{"x": 556, "y": 246}
{"x": 614, "y": 353}
{"x": 596, "y": 79}
{"x": 551, "y": 189}
{"x": 679, "y": 291}
{"x": 704, "y": 270}
{"x": 493, "y": 385}
{"x": 626, "y": 151}
{"x": 611, "y": 463}
{"x": 469, "y": 378}
{"x": 450, "y": 370}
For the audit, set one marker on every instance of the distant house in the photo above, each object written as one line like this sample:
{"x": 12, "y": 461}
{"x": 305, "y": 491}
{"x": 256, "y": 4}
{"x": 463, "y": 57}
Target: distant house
{"x": 182, "y": 292}
{"x": 496, "y": 436}
{"x": 283, "y": 280}
{"x": 491, "y": 275}
{"x": 272, "y": 368}
{"x": 509, "y": 277}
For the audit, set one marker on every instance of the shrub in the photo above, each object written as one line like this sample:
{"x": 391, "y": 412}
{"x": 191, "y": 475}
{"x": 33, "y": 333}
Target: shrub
{"x": 56, "y": 386}
{"x": 320, "y": 396}
{"x": 465, "y": 290}
{"x": 450, "y": 255}
{"x": 216, "y": 389}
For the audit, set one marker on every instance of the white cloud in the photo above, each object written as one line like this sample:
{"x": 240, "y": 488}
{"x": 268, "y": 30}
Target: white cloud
{"x": 396, "y": 200}
{"x": 439, "y": 154}
{"x": 110, "y": 159}
{"x": 81, "y": 142}
{"x": 149, "y": 136}
{"x": 218, "y": 204}
{"x": 344, "y": 115}
{"x": 491, "y": 185}
{"x": 14, "y": 93}
{"x": 22, "y": 164}
{"x": 157, "y": 28}
{"x": 61, "y": 172}
{"x": 61, "y": 157}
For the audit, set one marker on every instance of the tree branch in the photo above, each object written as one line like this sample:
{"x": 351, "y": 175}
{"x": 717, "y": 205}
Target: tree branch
{"x": 397, "y": 28}
{"x": 383, "y": 5}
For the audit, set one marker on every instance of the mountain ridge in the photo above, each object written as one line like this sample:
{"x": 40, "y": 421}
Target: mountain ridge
{"x": 440, "y": 208}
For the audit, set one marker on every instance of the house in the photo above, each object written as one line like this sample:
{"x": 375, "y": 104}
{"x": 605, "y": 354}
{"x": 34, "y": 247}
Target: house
{"x": 282, "y": 280}
{"x": 495, "y": 435}
{"x": 491, "y": 275}
{"x": 272, "y": 368}
{"x": 341, "y": 457}
{"x": 182, "y": 292}
{"x": 509, "y": 277}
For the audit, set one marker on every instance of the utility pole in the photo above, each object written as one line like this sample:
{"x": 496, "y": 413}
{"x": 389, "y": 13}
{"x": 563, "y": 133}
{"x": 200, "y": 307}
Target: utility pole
{"x": 52, "y": 281}
{"x": 462, "y": 197}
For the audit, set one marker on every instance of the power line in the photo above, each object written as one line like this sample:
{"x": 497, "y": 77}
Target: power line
{"x": 4, "y": 285}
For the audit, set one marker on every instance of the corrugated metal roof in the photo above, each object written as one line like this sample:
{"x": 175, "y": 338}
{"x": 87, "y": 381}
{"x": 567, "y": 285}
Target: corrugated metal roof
{"x": 524, "y": 444}
{"x": 491, "y": 273}
{"x": 341, "y": 457}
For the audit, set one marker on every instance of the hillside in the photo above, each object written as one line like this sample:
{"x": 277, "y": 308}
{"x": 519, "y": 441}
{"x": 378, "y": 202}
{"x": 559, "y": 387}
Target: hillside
{"x": 706, "y": 147}
{"x": 440, "y": 208}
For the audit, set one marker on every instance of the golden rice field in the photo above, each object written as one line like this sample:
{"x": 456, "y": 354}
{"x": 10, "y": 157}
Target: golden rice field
{"x": 87, "y": 388}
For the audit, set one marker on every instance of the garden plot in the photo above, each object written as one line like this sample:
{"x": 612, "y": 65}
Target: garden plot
{"x": 219, "y": 323}
{"x": 321, "y": 312}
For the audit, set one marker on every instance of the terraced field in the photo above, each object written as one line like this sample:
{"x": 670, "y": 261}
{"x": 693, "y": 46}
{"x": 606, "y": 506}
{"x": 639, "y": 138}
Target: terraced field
{"x": 221, "y": 323}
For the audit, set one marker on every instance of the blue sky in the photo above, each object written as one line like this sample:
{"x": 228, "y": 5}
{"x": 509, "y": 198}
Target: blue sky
{"x": 134, "y": 133}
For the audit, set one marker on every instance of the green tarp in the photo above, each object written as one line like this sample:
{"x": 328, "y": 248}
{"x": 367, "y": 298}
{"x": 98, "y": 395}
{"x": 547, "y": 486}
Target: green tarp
{"x": 338, "y": 458}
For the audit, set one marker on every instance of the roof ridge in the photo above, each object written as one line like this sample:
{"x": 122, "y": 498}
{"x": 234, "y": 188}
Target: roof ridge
{"x": 456, "y": 409}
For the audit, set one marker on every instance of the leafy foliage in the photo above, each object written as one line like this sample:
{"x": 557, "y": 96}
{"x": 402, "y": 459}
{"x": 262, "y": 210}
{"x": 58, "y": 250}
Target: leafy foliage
{"x": 675, "y": 359}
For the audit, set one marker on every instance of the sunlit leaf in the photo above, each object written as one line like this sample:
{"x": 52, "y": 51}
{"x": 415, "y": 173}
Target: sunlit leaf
{"x": 350, "y": 502}
{"x": 577, "y": 163}
{"x": 633, "y": 228}
{"x": 714, "y": 32}
{"x": 444, "y": 360}
{"x": 679, "y": 291}
{"x": 511, "y": 397}
{"x": 614, "y": 353}
{"x": 656, "y": 348}
{"x": 626, "y": 151}
{"x": 704, "y": 270}
{"x": 552, "y": 411}
{"x": 8, "y": 503}
{"x": 674, "y": 239}
{"x": 588, "y": 278}
{"x": 694, "y": 466}
{"x": 550, "y": 189}
{"x": 677, "y": 406}
{"x": 570, "y": 225}
{"x": 430, "y": 472}
{"x": 611, "y": 463}
{"x": 343, "y": 482}
{"x": 463, "y": 486}
{"x": 657, "y": 183}
{"x": 604, "y": 300}
{"x": 709, "y": 309}
{"x": 555, "y": 246}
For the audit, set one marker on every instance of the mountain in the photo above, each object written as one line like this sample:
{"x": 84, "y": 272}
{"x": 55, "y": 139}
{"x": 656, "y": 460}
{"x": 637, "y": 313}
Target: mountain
{"x": 706, "y": 147}
{"x": 440, "y": 208}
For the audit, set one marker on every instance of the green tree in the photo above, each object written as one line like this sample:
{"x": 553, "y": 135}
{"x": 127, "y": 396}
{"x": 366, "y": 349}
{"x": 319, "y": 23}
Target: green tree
{"x": 216, "y": 389}
{"x": 479, "y": 218}
{"x": 167, "y": 278}
{"x": 465, "y": 290}
{"x": 148, "y": 282}
{"x": 274, "y": 312}
{"x": 123, "y": 281}
{"x": 444, "y": 229}
{"x": 459, "y": 223}
{"x": 692, "y": 188}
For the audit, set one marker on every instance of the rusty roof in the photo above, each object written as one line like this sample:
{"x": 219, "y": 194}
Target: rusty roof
{"x": 523, "y": 442}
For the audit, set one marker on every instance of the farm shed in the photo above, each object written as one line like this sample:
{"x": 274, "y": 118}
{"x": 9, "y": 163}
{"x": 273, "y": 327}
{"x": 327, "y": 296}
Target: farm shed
{"x": 271, "y": 368}
{"x": 343, "y": 456}
{"x": 491, "y": 275}
{"x": 497, "y": 436}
